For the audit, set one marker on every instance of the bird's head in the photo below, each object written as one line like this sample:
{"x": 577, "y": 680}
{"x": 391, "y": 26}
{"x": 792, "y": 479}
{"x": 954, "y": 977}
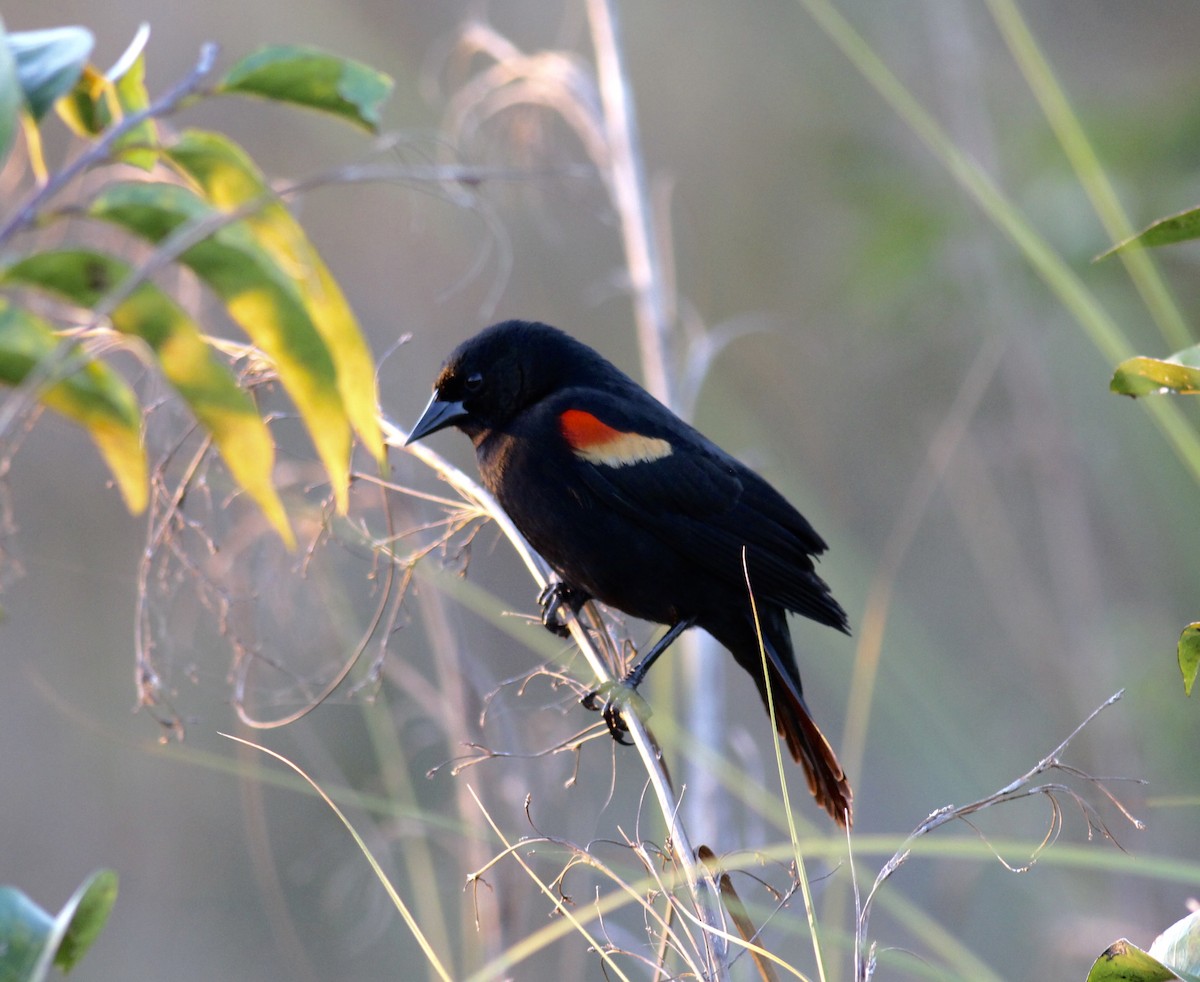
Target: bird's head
{"x": 503, "y": 370}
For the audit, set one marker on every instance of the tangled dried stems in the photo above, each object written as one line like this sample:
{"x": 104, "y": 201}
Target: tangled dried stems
{"x": 1025, "y": 786}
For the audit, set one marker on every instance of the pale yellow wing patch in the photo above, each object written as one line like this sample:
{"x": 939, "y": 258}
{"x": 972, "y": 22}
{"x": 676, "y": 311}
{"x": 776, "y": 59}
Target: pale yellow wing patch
{"x": 595, "y": 441}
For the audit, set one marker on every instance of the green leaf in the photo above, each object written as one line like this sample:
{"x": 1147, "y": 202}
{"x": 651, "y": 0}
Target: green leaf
{"x": 1152, "y": 376}
{"x": 25, "y": 929}
{"x": 1125, "y": 962}
{"x": 84, "y": 109}
{"x": 92, "y": 395}
{"x": 259, "y": 296}
{"x": 138, "y": 146}
{"x": 10, "y": 97}
{"x": 1189, "y": 655}
{"x": 96, "y": 101}
{"x": 313, "y": 78}
{"x": 87, "y": 913}
{"x": 1166, "y": 231}
{"x": 30, "y": 939}
{"x": 49, "y": 62}
{"x": 1179, "y": 945}
{"x": 229, "y": 180}
{"x": 188, "y": 362}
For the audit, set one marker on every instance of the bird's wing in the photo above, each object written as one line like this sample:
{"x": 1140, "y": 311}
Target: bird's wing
{"x": 698, "y": 500}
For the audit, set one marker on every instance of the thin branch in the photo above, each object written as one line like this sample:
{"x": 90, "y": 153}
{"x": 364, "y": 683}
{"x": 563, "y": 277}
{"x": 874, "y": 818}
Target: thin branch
{"x": 1022, "y": 787}
{"x": 27, "y": 213}
{"x": 60, "y": 363}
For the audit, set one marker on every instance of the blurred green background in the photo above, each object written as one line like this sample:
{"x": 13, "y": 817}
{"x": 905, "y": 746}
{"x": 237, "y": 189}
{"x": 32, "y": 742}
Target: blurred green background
{"x": 1054, "y": 562}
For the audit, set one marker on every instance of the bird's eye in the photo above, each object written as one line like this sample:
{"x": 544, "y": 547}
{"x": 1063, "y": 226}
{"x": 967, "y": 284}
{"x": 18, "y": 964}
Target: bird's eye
{"x": 473, "y": 382}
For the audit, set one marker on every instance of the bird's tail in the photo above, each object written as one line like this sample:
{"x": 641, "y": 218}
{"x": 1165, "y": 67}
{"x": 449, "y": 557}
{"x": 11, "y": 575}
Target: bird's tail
{"x": 808, "y": 746}
{"x": 804, "y": 739}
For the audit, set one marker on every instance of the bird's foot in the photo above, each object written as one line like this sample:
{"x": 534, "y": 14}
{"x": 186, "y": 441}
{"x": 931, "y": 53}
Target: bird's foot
{"x": 612, "y": 700}
{"x": 553, "y": 599}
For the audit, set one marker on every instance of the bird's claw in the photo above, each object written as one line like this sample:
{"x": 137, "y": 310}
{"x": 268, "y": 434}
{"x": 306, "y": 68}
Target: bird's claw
{"x": 552, "y": 599}
{"x": 610, "y": 700}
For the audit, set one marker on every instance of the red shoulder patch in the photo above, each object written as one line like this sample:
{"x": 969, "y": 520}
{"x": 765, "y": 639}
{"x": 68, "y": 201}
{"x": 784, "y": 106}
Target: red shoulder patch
{"x": 583, "y": 431}
{"x": 595, "y": 441}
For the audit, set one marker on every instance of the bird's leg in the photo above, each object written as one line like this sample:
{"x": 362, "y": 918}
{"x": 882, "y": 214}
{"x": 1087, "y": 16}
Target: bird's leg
{"x": 633, "y": 678}
{"x": 611, "y": 705}
{"x": 552, "y": 599}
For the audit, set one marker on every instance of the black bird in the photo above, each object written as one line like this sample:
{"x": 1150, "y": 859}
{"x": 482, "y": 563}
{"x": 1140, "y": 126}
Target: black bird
{"x": 633, "y": 507}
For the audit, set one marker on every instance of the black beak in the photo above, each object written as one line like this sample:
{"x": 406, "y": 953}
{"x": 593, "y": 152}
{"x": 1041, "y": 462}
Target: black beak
{"x": 437, "y": 416}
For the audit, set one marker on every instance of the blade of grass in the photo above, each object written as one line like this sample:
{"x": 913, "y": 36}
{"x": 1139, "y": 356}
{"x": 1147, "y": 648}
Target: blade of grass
{"x": 1086, "y": 164}
{"x": 560, "y": 908}
{"x": 952, "y": 430}
{"x": 801, "y": 871}
{"x": 502, "y": 964}
{"x": 375, "y": 804}
{"x": 629, "y": 892}
{"x": 1100, "y": 328}
{"x": 397, "y": 785}
{"x": 396, "y": 899}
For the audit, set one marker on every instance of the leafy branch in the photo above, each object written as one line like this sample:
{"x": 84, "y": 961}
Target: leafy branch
{"x": 204, "y": 206}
